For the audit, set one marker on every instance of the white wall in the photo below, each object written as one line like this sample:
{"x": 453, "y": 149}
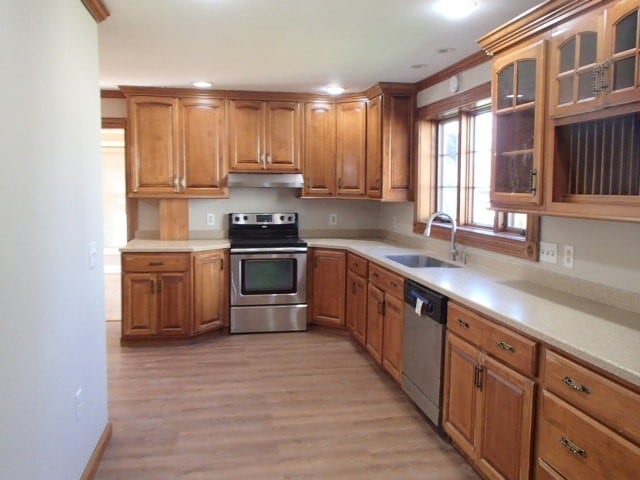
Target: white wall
{"x": 51, "y": 303}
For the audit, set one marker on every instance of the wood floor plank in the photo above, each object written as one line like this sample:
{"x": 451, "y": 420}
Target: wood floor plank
{"x": 304, "y": 406}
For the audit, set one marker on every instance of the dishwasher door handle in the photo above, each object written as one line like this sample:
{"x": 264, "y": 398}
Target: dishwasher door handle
{"x": 425, "y": 302}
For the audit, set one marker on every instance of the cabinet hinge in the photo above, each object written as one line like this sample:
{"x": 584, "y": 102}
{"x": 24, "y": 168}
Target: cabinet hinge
{"x": 533, "y": 181}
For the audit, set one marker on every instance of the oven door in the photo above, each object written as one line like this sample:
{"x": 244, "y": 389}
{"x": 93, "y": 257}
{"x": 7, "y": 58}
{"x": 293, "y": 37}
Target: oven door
{"x": 268, "y": 277}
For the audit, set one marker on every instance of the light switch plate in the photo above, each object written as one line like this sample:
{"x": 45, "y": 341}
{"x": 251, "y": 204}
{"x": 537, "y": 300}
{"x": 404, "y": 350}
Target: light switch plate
{"x": 548, "y": 252}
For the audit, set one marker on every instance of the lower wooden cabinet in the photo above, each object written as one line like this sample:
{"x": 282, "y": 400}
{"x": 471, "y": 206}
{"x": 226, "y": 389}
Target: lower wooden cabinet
{"x": 210, "y": 287}
{"x": 357, "y": 306}
{"x": 164, "y": 295}
{"x": 385, "y": 319}
{"x": 328, "y": 279}
{"x": 488, "y": 405}
{"x": 589, "y": 423}
{"x": 375, "y": 321}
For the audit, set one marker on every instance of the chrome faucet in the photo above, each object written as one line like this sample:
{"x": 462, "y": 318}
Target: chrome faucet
{"x": 454, "y": 227}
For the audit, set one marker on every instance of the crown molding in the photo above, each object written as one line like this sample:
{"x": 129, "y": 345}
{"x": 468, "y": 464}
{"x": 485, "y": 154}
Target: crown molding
{"x": 97, "y": 9}
{"x": 111, "y": 94}
{"x": 471, "y": 61}
{"x": 534, "y": 21}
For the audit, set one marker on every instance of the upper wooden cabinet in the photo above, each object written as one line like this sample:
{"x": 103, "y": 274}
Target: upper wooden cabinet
{"x": 594, "y": 60}
{"x": 590, "y": 139}
{"x": 518, "y": 91}
{"x": 319, "y": 164}
{"x": 390, "y": 144}
{"x": 351, "y": 148}
{"x": 177, "y": 147}
{"x": 153, "y": 142}
{"x": 264, "y": 136}
{"x": 203, "y": 160}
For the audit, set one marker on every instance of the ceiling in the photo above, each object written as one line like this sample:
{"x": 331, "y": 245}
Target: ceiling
{"x": 287, "y": 45}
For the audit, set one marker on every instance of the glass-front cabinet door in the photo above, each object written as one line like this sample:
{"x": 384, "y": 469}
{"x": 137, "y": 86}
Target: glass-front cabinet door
{"x": 577, "y": 66}
{"x": 623, "y": 44}
{"x": 518, "y": 102}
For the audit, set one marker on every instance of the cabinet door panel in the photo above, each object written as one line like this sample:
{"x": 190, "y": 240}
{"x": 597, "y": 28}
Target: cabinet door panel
{"x": 139, "y": 306}
{"x": 246, "y": 125}
{"x": 173, "y": 303}
{"x": 623, "y": 41}
{"x": 329, "y": 279}
{"x": 375, "y": 322}
{"x": 351, "y": 148}
{"x": 154, "y": 149}
{"x": 393, "y": 336}
{"x": 504, "y": 443}
{"x": 204, "y": 155}
{"x": 319, "y": 149}
{"x": 357, "y": 306}
{"x": 460, "y": 393}
{"x": 374, "y": 147}
{"x": 209, "y": 302}
{"x": 282, "y": 136}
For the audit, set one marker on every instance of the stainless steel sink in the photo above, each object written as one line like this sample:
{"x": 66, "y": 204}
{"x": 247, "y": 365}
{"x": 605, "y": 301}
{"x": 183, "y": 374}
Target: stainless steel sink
{"x": 420, "y": 261}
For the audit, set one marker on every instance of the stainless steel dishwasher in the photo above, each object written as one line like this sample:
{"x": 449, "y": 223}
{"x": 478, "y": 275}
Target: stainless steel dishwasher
{"x": 425, "y": 317}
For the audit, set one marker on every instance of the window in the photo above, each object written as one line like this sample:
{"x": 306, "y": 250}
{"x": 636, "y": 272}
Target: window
{"x": 455, "y": 178}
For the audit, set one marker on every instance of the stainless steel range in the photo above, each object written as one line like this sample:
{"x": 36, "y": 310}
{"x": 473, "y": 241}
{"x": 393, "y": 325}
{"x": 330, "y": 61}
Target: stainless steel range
{"x": 268, "y": 273}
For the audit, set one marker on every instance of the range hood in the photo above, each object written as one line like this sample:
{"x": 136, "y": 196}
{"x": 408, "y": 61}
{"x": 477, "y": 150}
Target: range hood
{"x": 266, "y": 180}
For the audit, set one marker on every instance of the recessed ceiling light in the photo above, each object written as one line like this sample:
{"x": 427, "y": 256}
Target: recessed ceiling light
{"x": 419, "y": 65}
{"x": 333, "y": 89}
{"x": 456, "y": 9}
{"x": 202, "y": 84}
{"x": 445, "y": 50}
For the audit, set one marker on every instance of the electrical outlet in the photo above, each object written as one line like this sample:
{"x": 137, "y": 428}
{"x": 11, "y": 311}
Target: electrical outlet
{"x": 567, "y": 257}
{"x": 548, "y": 252}
{"x": 333, "y": 219}
{"x": 211, "y": 219}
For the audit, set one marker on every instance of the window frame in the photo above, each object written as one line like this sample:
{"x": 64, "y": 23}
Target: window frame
{"x": 500, "y": 239}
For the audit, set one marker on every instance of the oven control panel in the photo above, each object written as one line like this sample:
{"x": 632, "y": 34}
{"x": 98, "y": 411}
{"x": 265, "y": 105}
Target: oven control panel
{"x": 264, "y": 218}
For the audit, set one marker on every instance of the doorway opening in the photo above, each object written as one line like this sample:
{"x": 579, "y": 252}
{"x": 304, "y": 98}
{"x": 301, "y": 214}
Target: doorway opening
{"x": 112, "y": 143}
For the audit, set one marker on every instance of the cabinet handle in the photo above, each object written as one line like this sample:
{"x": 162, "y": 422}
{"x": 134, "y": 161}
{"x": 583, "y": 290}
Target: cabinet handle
{"x": 533, "y": 177}
{"x": 160, "y": 286}
{"x": 381, "y": 308}
{"x": 339, "y": 182}
{"x": 393, "y": 284}
{"x": 462, "y": 323}
{"x": 155, "y": 264}
{"x": 222, "y": 264}
{"x": 599, "y": 78}
{"x": 506, "y": 347}
{"x": 153, "y": 286}
{"x": 353, "y": 287}
{"x": 175, "y": 183}
{"x": 268, "y": 158}
{"x": 375, "y": 275}
{"x": 571, "y": 383}
{"x": 573, "y": 448}
{"x": 262, "y": 159}
{"x": 478, "y": 376}
{"x": 183, "y": 183}
{"x": 355, "y": 264}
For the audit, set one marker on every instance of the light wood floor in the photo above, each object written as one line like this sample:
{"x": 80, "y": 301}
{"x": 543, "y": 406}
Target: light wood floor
{"x": 265, "y": 406}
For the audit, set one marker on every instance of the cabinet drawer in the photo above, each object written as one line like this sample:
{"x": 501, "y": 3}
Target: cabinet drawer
{"x": 512, "y": 348}
{"x": 612, "y": 404}
{"x": 357, "y": 265}
{"x": 576, "y": 446}
{"x": 466, "y": 324}
{"x": 155, "y": 262}
{"x": 387, "y": 281}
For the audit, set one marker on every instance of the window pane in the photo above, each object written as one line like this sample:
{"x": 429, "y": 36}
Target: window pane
{"x": 481, "y": 170}
{"x": 588, "y": 48}
{"x": 626, "y": 32}
{"x": 447, "y": 188}
{"x": 505, "y": 87}
{"x": 568, "y": 56}
{"x": 517, "y": 220}
{"x": 526, "y": 82}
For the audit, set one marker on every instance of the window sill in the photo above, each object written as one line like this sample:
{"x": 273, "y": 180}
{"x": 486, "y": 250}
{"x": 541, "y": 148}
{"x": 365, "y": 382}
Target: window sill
{"x": 503, "y": 242}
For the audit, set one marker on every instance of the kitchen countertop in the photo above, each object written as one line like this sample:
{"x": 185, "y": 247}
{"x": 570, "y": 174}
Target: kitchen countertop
{"x": 155, "y": 246}
{"x": 599, "y": 334}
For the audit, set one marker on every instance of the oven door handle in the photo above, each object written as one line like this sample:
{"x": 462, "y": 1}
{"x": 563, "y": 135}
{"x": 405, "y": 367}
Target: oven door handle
{"x": 269, "y": 250}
